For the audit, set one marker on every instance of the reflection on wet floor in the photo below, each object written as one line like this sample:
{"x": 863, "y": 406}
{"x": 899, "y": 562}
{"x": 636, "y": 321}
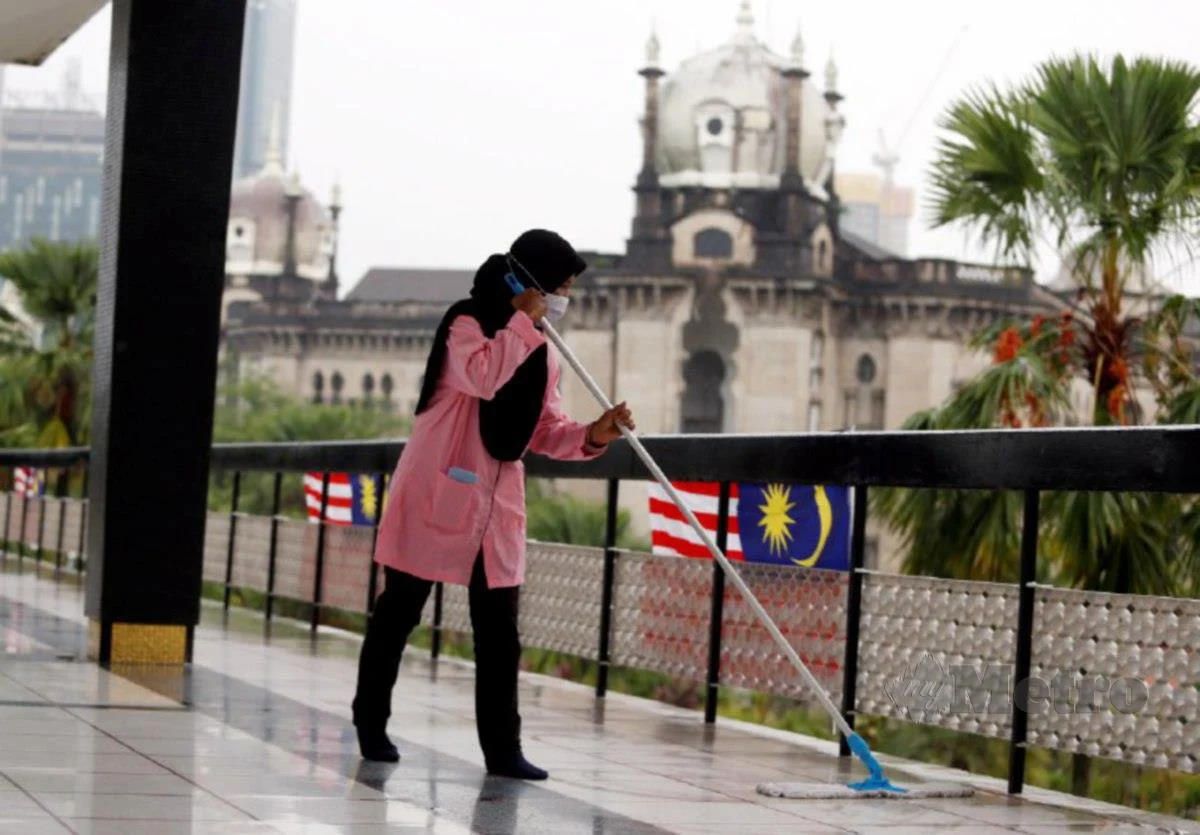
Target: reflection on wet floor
{"x": 255, "y": 738}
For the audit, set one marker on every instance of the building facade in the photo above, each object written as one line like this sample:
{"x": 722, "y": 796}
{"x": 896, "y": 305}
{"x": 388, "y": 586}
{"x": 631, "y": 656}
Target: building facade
{"x": 265, "y": 93}
{"x": 742, "y": 302}
{"x": 51, "y": 164}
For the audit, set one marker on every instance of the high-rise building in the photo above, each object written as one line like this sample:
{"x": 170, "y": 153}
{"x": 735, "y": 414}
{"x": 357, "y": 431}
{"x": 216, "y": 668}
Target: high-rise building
{"x": 51, "y": 164}
{"x": 266, "y": 86}
{"x": 876, "y": 210}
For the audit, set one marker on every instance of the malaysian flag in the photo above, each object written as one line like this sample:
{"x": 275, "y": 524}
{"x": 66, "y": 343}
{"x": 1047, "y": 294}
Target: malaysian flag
{"x": 671, "y": 535}
{"x": 353, "y": 499}
{"x": 784, "y": 524}
{"x": 28, "y": 482}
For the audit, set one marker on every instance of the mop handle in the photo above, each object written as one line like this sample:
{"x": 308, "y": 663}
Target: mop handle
{"x": 720, "y": 557}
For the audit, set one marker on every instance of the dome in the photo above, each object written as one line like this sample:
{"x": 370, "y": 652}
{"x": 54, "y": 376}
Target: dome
{"x": 258, "y": 227}
{"x": 702, "y": 102}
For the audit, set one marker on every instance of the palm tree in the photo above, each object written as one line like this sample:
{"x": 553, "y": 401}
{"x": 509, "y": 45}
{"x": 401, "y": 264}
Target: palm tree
{"x": 1103, "y": 162}
{"x": 45, "y": 385}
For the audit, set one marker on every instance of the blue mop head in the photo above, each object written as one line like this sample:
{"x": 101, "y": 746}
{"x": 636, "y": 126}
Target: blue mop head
{"x": 876, "y": 780}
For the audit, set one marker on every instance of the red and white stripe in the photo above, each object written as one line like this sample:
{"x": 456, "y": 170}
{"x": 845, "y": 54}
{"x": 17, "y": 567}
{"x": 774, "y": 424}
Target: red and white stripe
{"x": 338, "y": 502}
{"x": 671, "y": 535}
{"x": 25, "y": 481}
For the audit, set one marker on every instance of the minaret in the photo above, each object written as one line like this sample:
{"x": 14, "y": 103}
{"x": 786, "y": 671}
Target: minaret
{"x": 794, "y": 75}
{"x": 649, "y": 246}
{"x": 651, "y": 72}
{"x": 786, "y": 249}
{"x": 291, "y": 196}
{"x": 274, "y": 161}
{"x": 745, "y": 22}
{"x": 835, "y": 124}
{"x": 335, "y": 211}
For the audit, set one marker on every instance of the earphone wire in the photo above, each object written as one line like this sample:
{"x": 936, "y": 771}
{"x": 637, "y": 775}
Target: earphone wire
{"x": 512, "y": 259}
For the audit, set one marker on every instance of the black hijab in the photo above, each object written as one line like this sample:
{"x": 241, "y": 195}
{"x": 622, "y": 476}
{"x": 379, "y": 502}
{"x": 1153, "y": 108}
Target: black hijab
{"x": 540, "y": 260}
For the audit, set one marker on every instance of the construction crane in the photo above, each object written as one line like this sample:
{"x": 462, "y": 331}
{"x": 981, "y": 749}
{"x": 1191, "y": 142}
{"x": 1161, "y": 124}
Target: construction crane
{"x": 887, "y": 158}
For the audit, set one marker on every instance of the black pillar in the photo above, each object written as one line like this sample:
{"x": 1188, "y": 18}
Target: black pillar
{"x": 172, "y": 113}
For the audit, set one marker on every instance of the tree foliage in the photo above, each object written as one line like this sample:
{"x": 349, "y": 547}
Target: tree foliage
{"x": 45, "y": 383}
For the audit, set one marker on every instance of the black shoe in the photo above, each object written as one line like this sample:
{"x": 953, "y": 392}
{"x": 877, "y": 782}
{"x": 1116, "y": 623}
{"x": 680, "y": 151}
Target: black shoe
{"x": 516, "y": 767}
{"x": 374, "y": 745}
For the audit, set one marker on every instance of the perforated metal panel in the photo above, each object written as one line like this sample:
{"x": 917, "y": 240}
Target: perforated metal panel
{"x": 560, "y": 601}
{"x": 216, "y": 541}
{"x": 661, "y": 611}
{"x": 939, "y": 652}
{"x": 347, "y": 566}
{"x": 1124, "y": 675}
{"x": 456, "y": 609}
{"x": 49, "y": 537}
{"x": 76, "y": 511}
{"x": 252, "y": 544}
{"x": 295, "y": 559}
{"x": 33, "y": 509}
{"x": 808, "y": 606}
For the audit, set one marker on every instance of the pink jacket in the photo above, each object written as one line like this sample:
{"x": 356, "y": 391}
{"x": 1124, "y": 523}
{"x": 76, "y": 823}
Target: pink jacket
{"x": 433, "y": 526}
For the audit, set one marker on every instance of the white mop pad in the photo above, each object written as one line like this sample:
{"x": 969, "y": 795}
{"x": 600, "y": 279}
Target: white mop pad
{"x": 836, "y": 791}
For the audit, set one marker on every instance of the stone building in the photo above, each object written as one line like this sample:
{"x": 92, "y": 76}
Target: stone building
{"x": 739, "y": 305}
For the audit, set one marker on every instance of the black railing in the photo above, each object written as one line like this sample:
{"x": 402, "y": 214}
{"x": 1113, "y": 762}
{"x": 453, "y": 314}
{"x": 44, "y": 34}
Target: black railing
{"x": 1030, "y": 461}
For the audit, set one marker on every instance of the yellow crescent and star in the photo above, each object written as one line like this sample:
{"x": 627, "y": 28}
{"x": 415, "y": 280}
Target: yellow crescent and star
{"x": 777, "y": 521}
{"x": 370, "y": 502}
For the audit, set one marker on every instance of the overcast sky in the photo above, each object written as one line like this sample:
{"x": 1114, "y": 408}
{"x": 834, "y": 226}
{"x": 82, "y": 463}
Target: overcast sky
{"x": 455, "y": 124}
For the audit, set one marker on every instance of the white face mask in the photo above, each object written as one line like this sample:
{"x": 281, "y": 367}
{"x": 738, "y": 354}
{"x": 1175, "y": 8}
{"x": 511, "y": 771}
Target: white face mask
{"x": 556, "y": 307}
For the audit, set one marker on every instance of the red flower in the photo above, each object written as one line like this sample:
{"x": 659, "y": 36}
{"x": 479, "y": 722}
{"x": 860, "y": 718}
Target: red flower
{"x": 1036, "y": 328}
{"x": 1118, "y": 371}
{"x": 1116, "y": 403}
{"x": 1007, "y": 346}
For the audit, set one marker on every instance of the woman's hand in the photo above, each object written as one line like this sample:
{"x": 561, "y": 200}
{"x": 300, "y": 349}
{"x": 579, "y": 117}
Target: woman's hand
{"x": 532, "y": 303}
{"x": 606, "y": 428}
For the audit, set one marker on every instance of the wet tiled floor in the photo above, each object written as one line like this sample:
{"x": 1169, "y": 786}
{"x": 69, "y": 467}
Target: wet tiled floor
{"x": 255, "y": 738}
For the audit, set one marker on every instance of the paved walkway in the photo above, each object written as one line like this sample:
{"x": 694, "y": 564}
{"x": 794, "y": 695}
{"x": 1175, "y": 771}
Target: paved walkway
{"x": 255, "y": 738}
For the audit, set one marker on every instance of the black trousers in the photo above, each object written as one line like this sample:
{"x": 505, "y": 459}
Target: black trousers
{"x": 497, "y": 656}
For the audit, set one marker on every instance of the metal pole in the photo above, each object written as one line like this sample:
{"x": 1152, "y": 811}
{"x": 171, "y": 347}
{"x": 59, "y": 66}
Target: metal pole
{"x": 1024, "y": 653}
{"x": 273, "y": 549}
{"x": 233, "y": 517}
{"x": 606, "y": 591}
{"x": 83, "y": 508}
{"x": 320, "y": 567}
{"x": 41, "y": 535}
{"x": 435, "y": 648}
{"x": 60, "y": 491}
{"x": 373, "y": 576}
{"x": 12, "y": 475}
{"x": 712, "y": 690}
{"x": 21, "y": 533}
{"x": 858, "y": 547}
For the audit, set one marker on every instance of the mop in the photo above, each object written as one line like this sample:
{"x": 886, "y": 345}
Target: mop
{"x": 876, "y": 784}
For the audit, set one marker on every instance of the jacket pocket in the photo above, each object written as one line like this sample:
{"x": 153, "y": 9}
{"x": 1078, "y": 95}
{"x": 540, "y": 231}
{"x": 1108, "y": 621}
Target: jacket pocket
{"x": 453, "y": 505}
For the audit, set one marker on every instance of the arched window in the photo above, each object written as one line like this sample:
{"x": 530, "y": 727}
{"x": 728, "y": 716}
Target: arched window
{"x": 703, "y": 405}
{"x": 318, "y": 384}
{"x": 387, "y": 386}
{"x": 368, "y": 388}
{"x": 336, "y": 382}
{"x": 823, "y": 256}
{"x": 866, "y": 370}
{"x": 713, "y": 243}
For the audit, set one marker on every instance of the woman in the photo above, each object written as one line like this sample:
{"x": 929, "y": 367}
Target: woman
{"x": 456, "y": 510}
